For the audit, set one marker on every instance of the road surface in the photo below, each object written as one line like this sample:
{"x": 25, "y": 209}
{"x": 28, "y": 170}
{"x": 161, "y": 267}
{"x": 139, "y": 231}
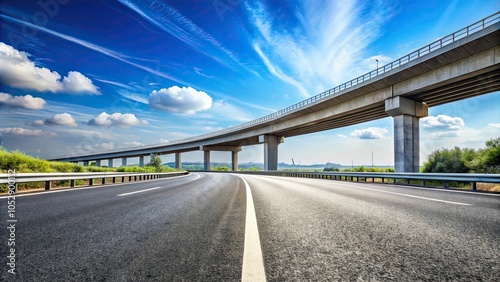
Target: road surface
{"x": 199, "y": 228}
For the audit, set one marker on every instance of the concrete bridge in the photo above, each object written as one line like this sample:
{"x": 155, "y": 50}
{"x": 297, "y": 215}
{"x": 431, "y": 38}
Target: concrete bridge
{"x": 458, "y": 66}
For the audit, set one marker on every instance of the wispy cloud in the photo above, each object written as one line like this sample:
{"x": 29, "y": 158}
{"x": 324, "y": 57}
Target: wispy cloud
{"x": 324, "y": 49}
{"x": 170, "y": 20}
{"x": 105, "y": 51}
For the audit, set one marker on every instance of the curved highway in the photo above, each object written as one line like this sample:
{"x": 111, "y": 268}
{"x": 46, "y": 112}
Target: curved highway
{"x": 201, "y": 227}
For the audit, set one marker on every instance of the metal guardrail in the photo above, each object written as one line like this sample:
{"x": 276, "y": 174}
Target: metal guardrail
{"x": 426, "y": 50}
{"x": 394, "y": 176}
{"x": 48, "y": 178}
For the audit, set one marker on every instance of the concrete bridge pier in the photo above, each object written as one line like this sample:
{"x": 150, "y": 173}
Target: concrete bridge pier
{"x": 110, "y": 162}
{"x": 85, "y": 163}
{"x": 234, "y": 155}
{"x": 406, "y": 114}
{"x": 141, "y": 161}
{"x": 98, "y": 163}
{"x": 124, "y": 161}
{"x": 271, "y": 143}
{"x": 206, "y": 159}
{"x": 178, "y": 160}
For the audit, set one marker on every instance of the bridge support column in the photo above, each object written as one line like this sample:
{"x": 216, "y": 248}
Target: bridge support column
{"x": 271, "y": 143}
{"x": 234, "y": 154}
{"x": 178, "y": 160}
{"x": 124, "y": 161}
{"x": 234, "y": 160}
{"x": 85, "y": 163}
{"x": 110, "y": 162}
{"x": 206, "y": 159}
{"x": 98, "y": 163}
{"x": 406, "y": 114}
{"x": 141, "y": 161}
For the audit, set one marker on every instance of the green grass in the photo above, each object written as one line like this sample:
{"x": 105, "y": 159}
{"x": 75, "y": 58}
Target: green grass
{"x": 22, "y": 163}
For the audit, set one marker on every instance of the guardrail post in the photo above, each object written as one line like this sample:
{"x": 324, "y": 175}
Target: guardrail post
{"x": 103, "y": 181}
{"x": 72, "y": 183}
{"x": 91, "y": 181}
{"x": 48, "y": 185}
{"x": 445, "y": 184}
{"x": 114, "y": 179}
{"x": 474, "y": 186}
{"x": 123, "y": 179}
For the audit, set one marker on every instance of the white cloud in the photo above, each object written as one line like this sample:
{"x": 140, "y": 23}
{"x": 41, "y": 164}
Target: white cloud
{"x": 25, "y": 132}
{"x": 27, "y": 101}
{"x": 17, "y": 70}
{"x": 342, "y": 136}
{"x": 370, "y": 133}
{"x": 58, "y": 119}
{"x": 162, "y": 140}
{"x": 100, "y": 146}
{"x": 185, "y": 100}
{"x": 116, "y": 119}
{"x": 494, "y": 125}
{"x": 442, "y": 122}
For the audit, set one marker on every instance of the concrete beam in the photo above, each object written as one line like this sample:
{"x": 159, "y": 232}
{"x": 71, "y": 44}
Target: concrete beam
{"x": 221, "y": 148}
{"x": 402, "y": 106}
{"x": 206, "y": 160}
{"x": 271, "y": 143}
{"x": 406, "y": 114}
{"x": 178, "y": 160}
{"x": 124, "y": 161}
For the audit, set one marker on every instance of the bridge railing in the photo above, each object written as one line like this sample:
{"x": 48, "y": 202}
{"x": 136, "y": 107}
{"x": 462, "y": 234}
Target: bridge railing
{"x": 49, "y": 178}
{"x": 414, "y": 179}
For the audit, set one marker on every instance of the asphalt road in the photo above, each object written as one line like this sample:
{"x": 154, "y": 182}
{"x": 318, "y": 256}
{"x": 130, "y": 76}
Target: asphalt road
{"x": 198, "y": 228}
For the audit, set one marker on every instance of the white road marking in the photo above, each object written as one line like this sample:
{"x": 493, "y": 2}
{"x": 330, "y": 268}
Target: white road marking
{"x": 408, "y": 195}
{"x": 253, "y": 263}
{"x": 140, "y": 191}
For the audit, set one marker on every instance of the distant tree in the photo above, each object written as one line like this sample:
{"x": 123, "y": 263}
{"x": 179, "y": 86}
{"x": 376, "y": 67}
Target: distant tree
{"x": 331, "y": 169}
{"x": 221, "y": 168}
{"x": 156, "y": 163}
{"x": 447, "y": 160}
{"x": 492, "y": 152}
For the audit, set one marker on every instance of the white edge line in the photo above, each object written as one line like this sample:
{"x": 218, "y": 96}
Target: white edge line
{"x": 42, "y": 192}
{"x": 407, "y": 195}
{"x": 253, "y": 263}
{"x": 140, "y": 191}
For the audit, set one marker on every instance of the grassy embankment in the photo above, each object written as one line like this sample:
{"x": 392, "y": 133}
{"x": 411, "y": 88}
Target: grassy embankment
{"x": 22, "y": 163}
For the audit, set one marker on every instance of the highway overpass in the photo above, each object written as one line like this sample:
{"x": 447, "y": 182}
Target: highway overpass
{"x": 458, "y": 66}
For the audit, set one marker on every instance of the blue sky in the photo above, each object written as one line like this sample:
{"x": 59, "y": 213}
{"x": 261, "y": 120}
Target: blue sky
{"x": 81, "y": 76}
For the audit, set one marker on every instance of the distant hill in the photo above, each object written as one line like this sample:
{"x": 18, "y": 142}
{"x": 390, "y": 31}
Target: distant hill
{"x": 282, "y": 165}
